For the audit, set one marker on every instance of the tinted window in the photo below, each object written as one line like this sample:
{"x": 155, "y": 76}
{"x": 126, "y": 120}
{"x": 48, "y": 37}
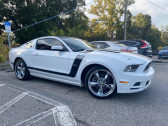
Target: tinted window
{"x": 100, "y": 45}
{"x": 129, "y": 43}
{"x": 124, "y": 43}
{"x": 47, "y": 43}
{"x": 165, "y": 48}
{"x": 106, "y": 45}
{"x": 77, "y": 44}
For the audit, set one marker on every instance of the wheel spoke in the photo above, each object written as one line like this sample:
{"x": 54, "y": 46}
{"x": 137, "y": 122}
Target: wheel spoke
{"x": 97, "y": 75}
{"x": 18, "y": 68}
{"x": 106, "y": 76}
{"x": 109, "y": 85}
{"x": 93, "y": 83}
{"x": 100, "y": 91}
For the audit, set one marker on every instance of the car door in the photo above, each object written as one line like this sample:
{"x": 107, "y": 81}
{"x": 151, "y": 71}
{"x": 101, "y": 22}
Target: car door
{"x": 50, "y": 61}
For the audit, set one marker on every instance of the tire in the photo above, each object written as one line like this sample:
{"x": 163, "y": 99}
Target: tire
{"x": 21, "y": 70}
{"x": 159, "y": 56}
{"x": 100, "y": 82}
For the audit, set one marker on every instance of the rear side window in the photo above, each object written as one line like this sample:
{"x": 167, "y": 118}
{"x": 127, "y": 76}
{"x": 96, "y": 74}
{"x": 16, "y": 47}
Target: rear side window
{"x": 101, "y": 45}
{"x": 47, "y": 43}
{"x": 129, "y": 43}
{"x": 124, "y": 43}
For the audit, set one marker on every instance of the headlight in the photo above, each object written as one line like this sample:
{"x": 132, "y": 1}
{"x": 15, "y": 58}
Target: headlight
{"x": 131, "y": 68}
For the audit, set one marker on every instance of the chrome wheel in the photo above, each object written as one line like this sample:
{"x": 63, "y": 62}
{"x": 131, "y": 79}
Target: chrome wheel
{"x": 101, "y": 83}
{"x": 20, "y": 69}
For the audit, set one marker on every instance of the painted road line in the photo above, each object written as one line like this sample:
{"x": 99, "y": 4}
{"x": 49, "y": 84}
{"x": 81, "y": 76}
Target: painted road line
{"x": 36, "y": 118}
{"x": 54, "y": 110}
{"x": 35, "y": 95}
{"x": 62, "y": 114}
{"x": 65, "y": 116}
{"x": 2, "y": 85}
{"x": 13, "y": 101}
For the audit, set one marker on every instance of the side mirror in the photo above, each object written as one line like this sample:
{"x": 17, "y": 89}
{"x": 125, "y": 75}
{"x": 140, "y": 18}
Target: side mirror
{"x": 57, "y": 48}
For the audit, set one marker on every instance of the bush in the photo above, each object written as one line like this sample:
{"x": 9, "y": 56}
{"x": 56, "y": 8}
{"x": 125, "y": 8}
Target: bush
{"x": 3, "y": 52}
{"x": 2, "y": 59}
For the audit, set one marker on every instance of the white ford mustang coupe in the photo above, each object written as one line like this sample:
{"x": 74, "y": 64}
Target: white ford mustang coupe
{"x": 74, "y": 61}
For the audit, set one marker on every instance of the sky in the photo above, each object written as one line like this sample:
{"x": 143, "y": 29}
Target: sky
{"x": 159, "y": 14}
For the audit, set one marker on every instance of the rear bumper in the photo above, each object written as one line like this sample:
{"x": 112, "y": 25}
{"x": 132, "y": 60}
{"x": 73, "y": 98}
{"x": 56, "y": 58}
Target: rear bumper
{"x": 146, "y": 52}
{"x": 142, "y": 79}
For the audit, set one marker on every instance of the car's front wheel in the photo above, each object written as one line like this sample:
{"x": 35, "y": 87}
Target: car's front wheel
{"x": 100, "y": 82}
{"x": 21, "y": 70}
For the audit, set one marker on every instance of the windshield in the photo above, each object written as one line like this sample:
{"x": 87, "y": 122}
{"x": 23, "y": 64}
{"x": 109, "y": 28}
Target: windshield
{"x": 77, "y": 44}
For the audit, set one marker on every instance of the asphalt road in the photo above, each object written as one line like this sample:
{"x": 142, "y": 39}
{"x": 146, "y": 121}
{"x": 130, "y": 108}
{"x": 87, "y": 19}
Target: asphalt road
{"x": 147, "y": 108}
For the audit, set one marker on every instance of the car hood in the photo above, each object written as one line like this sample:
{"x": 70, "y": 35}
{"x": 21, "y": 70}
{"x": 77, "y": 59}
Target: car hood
{"x": 130, "y": 58}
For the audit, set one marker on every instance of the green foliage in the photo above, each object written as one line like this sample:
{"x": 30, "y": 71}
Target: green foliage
{"x": 164, "y": 36}
{"x": 3, "y": 51}
{"x": 140, "y": 25}
{"x": 109, "y": 13}
{"x": 154, "y": 37}
{"x": 25, "y": 12}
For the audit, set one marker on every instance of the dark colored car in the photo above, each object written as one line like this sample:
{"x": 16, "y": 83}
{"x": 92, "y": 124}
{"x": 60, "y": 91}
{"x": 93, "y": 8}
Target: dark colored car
{"x": 143, "y": 46}
{"x": 163, "y": 53}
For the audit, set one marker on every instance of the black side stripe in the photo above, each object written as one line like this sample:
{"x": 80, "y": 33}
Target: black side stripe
{"x": 74, "y": 68}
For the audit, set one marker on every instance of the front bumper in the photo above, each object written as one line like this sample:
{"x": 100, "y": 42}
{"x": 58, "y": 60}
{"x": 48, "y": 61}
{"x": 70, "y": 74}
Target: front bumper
{"x": 137, "y": 81}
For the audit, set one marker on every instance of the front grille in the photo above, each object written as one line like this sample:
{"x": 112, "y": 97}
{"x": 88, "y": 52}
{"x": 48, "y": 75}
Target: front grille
{"x": 147, "y": 67}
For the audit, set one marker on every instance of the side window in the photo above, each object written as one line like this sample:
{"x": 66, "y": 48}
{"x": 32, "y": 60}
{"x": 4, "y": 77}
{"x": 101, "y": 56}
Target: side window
{"x": 165, "y": 48}
{"x": 100, "y": 45}
{"x": 47, "y": 43}
{"x": 133, "y": 43}
{"x": 106, "y": 45}
{"x": 124, "y": 43}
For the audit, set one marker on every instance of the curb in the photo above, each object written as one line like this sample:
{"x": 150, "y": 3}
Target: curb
{"x": 157, "y": 61}
{"x": 5, "y": 68}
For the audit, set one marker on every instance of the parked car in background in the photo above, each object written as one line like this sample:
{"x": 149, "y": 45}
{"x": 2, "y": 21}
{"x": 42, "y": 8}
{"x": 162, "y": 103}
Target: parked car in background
{"x": 143, "y": 46}
{"x": 163, "y": 53}
{"x": 155, "y": 52}
{"x": 114, "y": 46}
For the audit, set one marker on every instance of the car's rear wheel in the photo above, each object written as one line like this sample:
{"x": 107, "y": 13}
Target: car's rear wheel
{"x": 21, "y": 70}
{"x": 100, "y": 82}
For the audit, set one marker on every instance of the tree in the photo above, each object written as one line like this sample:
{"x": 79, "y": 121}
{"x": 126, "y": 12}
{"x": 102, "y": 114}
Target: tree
{"x": 26, "y": 12}
{"x": 140, "y": 24}
{"x": 109, "y": 13}
{"x": 164, "y": 35}
{"x": 154, "y": 37}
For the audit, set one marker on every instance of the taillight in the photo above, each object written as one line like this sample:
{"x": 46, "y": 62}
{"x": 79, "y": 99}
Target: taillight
{"x": 144, "y": 44}
{"x": 126, "y": 50}
{"x": 123, "y": 50}
{"x": 130, "y": 50}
